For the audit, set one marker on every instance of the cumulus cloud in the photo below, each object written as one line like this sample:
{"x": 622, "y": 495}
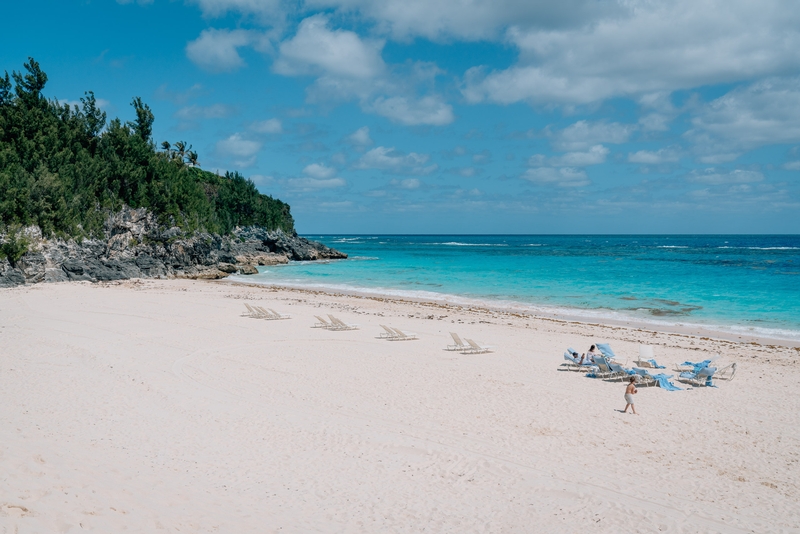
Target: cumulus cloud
{"x": 389, "y": 159}
{"x": 269, "y": 126}
{"x": 650, "y": 47}
{"x": 564, "y": 177}
{"x": 360, "y": 138}
{"x": 316, "y": 170}
{"x": 426, "y": 110}
{"x": 714, "y": 177}
{"x": 241, "y": 150}
{"x": 648, "y": 157}
{"x": 316, "y": 49}
{"x": 594, "y": 156}
{"x": 584, "y": 134}
{"x": 408, "y": 183}
{"x": 762, "y": 113}
{"x": 218, "y": 50}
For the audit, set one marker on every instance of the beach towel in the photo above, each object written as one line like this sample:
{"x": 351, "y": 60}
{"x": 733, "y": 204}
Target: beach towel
{"x": 655, "y": 365}
{"x": 664, "y": 383}
{"x": 697, "y": 366}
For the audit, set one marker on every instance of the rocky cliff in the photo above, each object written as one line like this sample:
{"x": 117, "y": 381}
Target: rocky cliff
{"x": 135, "y": 245}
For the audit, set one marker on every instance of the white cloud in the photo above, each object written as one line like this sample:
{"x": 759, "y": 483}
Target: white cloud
{"x": 410, "y": 183}
{"x": 763, "y": 113}
{"x": 360, "y": 137}
{"x": 310, "y": 184}
{"x": 389, "y": 159}
{"x": 410, "y": 111}
{"x": 268, "y": 10}
{"x": 594, "y": 156}
{"x": 584, "y": 134}
{"x": 316, "y": 170}
{"x": 215, "y": 111}
{"x": 792, "y": 166}
{"x": 217, "y": 50}
{"x": 242, "y": 151}
{"x": 650, "y": 47}
{"x": 648, "y": 157}
{"x": 564, "y": 177}
{"x": 315, "y": 49}
{"x": 713, "y": 177}
{"x": 269, "y": 126}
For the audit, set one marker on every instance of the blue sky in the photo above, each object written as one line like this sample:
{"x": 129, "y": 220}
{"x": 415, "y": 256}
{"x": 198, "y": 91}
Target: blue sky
{"x": 424, "y": 116}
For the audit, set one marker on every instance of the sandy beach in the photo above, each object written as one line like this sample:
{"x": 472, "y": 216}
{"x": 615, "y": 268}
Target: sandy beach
{"x": 149, "y": 406}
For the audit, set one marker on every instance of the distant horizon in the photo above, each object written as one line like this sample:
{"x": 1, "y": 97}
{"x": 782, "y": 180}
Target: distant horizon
{"x": 550, "y": 234}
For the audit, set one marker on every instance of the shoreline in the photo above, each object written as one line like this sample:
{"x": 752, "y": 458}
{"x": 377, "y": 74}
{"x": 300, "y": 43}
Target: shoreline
{"x": 699, "y": 331}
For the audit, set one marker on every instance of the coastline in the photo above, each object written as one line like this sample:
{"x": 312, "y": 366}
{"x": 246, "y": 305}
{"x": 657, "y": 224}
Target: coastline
{"x": 155, "y": 404}
{"x": 598, "y": 318}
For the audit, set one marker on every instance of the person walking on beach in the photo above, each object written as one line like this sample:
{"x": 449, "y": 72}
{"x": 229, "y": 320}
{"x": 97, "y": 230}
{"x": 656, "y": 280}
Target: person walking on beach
{"x": 630, "y": 391}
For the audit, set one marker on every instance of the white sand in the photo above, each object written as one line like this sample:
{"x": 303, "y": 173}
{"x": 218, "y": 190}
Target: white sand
{"x": 153, "y": 406}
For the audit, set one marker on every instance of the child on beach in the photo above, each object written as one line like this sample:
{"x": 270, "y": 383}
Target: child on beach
{"x": 630, "y": 391}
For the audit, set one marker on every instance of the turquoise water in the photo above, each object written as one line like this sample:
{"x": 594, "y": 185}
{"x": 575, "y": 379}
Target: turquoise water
{"x": 748, "y": 284}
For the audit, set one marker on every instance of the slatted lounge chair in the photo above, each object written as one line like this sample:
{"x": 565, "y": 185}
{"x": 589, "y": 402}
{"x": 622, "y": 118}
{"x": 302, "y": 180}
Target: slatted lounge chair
{"x": 727, "y": 372}
{"x": 279, "y": 315}
{"x": 474, "y": 348}
{"x": 603, "y": 369}
{"x": 573, "y": 363}
{"x": 403, "y": 336}
{"x": 619, "y": 372}
{"x": 458, "y": 344}
{"x": 336, "y": 324}
{"x": 661, "y": 380}
{"x": 388, "y": 333}
{"x": 266, "y": 314}
{"x": 700, "y": 378}
{"x": 322, "y": 323}
{"x": 252, "y": 312}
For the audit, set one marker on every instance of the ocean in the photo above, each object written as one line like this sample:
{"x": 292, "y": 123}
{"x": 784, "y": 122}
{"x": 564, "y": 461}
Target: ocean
{"x": 745, "y": 284}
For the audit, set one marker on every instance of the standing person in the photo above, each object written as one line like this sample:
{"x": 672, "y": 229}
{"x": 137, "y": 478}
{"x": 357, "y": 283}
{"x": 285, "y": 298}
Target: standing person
{"x": 630, "y": 391}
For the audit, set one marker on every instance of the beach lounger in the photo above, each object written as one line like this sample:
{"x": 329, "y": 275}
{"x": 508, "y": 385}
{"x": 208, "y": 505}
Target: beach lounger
{"x": 402, "y": 336}
{"x": 603, "y": 370}
{"x": 322, "y": 323}
{"x": 252, "y": 312}
{"x": 694, "y": 367}
{"x": 661, "y": 380}
{"x": 573, "y": 364}
{"x": 336, "y": 324}
{"x": 279, "y": 315}
{"x": 388, "y": 333}
{"x": 646, "y": 358}
{"x": 458, "y": 344}
{"x": 700, "y": 378}
{"x": 727, "y": 372}
{"x": 266, "y": 314}
{"x": 474, "y": 348}
{"x": 619, "y": 372}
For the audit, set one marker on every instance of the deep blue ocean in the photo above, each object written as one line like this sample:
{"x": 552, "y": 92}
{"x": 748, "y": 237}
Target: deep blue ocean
{"x": 738, "y": 283}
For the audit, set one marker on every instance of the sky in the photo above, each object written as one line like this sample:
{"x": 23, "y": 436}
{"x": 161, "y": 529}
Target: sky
{"x": 460, "y": 116}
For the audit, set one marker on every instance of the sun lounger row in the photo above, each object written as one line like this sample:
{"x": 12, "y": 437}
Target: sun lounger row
{"x": 470, "y": 347}
{"x": 335, "y": 324}
{"x": 395, "y": 334}
{"x": 258, "y": 312}
{"x": 603, "y": 366}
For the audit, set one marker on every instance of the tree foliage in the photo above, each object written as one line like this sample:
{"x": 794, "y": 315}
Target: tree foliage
{"x": 64, "y": 169}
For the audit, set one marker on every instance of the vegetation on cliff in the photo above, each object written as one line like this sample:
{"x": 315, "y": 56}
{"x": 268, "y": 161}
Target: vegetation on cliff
{"x": 65, "y": 168}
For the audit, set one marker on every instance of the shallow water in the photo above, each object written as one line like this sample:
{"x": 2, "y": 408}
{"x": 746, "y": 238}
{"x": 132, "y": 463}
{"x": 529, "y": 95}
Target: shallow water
{"x": 746, "y": 284}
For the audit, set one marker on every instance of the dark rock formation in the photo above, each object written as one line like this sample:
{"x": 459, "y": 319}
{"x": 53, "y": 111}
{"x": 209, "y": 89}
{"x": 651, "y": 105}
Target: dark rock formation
{"x": 136, "y": 246}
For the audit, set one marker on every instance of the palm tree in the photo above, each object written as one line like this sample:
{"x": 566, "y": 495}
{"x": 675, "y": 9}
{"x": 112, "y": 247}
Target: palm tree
{"x": 192, "y": 157}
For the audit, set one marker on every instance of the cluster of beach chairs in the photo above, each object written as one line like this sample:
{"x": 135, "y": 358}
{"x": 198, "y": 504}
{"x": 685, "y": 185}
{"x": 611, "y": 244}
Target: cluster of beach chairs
{"x": 605, "y": 366}
{"x": 389, "y": 333}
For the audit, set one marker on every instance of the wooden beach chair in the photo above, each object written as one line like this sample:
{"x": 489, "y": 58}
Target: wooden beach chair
{"x": 279, "y": 315}
{"x": 458, "y": 344}
{"x": 322, "y": 323}
{"x": 474, "y": 348}
{"x": 401, "y": 336}
{"x": 388, "y": 333}
{"x": 336, "y": 324}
